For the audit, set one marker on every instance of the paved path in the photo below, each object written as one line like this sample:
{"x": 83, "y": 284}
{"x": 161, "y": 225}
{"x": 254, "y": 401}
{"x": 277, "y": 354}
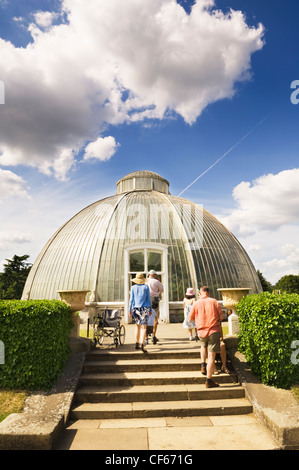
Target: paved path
{"x": 236, "y": 432}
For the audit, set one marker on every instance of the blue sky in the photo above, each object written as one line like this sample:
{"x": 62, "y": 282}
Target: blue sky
{"x": 90, "y": 98}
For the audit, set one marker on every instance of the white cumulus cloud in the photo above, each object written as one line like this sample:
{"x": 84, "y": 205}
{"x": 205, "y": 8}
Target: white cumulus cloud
{"x": 101, "y": 149}
{"x": 285, "y": 262}
{"x": 11, "y": 185}
{"x": 265, "y": 220}
{"x": 112, "y": 61}
{"x": 266, "y": 203}
{"x": 45, "y": 18}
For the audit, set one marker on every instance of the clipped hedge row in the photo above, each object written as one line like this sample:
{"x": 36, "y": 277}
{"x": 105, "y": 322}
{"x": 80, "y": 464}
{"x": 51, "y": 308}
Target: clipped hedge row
{"x": 35, "y": 334}
{"x": 269, "y": 326}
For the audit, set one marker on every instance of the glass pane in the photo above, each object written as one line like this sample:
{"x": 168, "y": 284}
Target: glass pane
{"x": 154, "y": 261}
{"x": 137, "y": 261}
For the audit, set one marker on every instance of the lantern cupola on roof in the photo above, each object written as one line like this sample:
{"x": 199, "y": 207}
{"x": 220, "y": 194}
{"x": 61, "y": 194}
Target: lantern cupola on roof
{"x": 142, "y": 181}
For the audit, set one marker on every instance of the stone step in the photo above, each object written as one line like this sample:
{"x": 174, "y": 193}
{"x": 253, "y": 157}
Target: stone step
{"x": 151, "y": 393}
{"x": 125, "y": 383}
{"x": 162, "y": 409}
{"x": 115, "y": 355}
{"x": 142, "y": 365}
{"x": 150, "y": 378}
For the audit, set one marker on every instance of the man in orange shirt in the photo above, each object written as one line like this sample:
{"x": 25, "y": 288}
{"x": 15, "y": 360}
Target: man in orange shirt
{"x": 207, "y": 314}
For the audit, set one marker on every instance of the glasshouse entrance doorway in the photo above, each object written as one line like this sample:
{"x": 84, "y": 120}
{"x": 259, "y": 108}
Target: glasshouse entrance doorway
{"x": 142, "y": 258}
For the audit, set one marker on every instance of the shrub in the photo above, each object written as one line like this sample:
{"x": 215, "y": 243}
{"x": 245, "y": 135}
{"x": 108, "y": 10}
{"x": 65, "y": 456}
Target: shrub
{"x": 269, "y": 324}
{"x": 288, "y": 284}
{"x": 35, "y": 334}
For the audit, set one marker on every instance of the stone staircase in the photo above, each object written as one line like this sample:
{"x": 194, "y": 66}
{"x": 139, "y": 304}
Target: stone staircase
{"x": 124, "y": 383}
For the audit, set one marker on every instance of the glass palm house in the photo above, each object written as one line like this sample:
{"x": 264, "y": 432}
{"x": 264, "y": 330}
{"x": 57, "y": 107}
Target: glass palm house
{"x": 142, "y": 227}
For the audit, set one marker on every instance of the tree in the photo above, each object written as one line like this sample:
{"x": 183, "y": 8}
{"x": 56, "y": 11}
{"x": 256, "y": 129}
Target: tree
{"x": 266, "y": 285}
{"x": 14, "y": 276}
{"x": 288, "y": 284}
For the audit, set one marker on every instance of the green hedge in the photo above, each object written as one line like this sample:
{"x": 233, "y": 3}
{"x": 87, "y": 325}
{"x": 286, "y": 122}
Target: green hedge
{"x": 269, "y": 325}
{"x": 35, "y": 334}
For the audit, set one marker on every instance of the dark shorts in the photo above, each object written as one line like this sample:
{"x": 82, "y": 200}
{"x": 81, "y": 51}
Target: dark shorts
{"x": 212, "y": 342}
{"x": 155, "y": 305}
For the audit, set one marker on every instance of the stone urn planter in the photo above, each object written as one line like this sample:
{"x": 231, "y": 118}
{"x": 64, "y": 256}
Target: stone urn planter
{"x": 231, "y": 297}
{"x": 76, "y": 300}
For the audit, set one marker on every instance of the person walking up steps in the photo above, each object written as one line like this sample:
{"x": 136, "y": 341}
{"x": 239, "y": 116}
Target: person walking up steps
{"x": 156, "y": 289}
{"x": 140, "y": 308}
{"x": 188, "y": 302}
{"x": 207, "y": 315}
{"x": 150, "y": 325}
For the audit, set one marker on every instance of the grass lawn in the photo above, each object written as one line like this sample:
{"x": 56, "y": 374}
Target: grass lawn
{"x": 11, "y": 402}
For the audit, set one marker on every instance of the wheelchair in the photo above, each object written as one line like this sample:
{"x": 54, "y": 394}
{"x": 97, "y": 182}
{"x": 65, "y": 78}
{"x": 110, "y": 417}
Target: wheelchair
{"x": 108, "y": 325}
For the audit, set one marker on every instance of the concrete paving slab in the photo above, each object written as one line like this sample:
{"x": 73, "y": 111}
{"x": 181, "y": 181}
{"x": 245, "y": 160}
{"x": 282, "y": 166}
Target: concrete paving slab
{"x": 243, "y": 437}
{"x": 133, "y": 423}
{"x": 85, "y": 424}
{"x": 188, "y": 433}
{"x": 189, "y": 421}
{"x": 233, "y": 420}
{"x": 104, "y": 439}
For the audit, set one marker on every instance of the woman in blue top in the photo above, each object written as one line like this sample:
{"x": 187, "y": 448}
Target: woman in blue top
{"x": 140, "y": 308}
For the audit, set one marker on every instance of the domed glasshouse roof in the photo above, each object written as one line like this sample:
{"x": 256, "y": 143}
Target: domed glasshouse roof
{"x": 142, "y": 227}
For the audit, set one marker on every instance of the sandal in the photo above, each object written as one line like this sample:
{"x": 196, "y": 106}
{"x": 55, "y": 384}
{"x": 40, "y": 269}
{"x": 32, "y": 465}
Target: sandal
{"x": 225, "y": 370}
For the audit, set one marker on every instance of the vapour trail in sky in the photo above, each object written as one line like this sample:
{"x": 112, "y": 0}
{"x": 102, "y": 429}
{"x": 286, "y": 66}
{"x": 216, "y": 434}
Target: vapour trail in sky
{"x": 224, "y": 155}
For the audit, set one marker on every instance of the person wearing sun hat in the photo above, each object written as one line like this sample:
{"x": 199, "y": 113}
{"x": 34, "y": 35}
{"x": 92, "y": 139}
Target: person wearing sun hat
{"x": 187, "y": 323}
{"x": 140, "y": 308}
